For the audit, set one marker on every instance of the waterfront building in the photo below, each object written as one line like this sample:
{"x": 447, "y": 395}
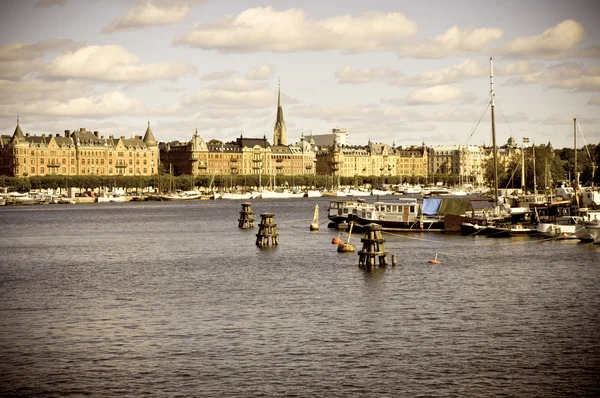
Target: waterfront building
{"x": 80, "y": 152}
{"x": 326, "y": 140}
{"x": 412, "y": 161}
{"x": 375, "y": 159}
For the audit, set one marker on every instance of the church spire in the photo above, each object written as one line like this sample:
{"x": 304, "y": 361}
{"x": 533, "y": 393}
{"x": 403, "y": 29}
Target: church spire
{"x": 279, "y": 131}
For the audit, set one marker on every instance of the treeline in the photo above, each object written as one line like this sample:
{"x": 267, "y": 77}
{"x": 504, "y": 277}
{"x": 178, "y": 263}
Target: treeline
{"x": 550, "y": 166}
{"x": 187, "y": 182}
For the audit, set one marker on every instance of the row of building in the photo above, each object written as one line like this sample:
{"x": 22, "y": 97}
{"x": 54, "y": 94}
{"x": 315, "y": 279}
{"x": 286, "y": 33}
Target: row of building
{"x": 83, "y": 152}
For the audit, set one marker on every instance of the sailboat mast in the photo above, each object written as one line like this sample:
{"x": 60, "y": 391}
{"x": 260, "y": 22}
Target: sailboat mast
{"x": 494, "y": 134}
{"x": 575, "y": 149}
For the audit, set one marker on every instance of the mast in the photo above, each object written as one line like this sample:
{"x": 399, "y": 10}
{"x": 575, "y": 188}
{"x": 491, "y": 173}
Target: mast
{"x": 575, "y": 148}
{"x": 494, "y": 134}
{"x": 534, "y": 180}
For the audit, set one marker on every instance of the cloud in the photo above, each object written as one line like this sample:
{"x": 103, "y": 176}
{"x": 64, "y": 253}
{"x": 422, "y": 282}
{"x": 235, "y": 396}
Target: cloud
{"x": 226, "y": 74}
{"x": 454, "y": 42}
{"x": 262, "y": 72}
{"x": 348, "y": 75}
{"x": 111, "y": 63}
{"x": 238, "y": 93}
{"x": 468, "y": 69}
{"x": 30, "y": 51}
{"x": 568, "y": 120}
{"x": 151, "y": 13}
{"x": 49, "y": 3}
{"x": 552, "y": 43}
{"x": 35, "y": 90}
{"x": 265, "y": 29}
{"x": 102, "y": 105}
{"x": 594, "y": 100}
{"x": 441, "y": 94}
{"x": 350, "y": 112}
{"x": 567, "y": 75}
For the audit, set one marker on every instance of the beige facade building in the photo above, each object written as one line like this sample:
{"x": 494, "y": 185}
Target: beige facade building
{"x": 80, "y": 152}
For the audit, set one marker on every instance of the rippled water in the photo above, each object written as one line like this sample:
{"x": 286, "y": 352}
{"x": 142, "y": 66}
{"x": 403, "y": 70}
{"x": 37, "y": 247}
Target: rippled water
{"x": 172, "y": 299}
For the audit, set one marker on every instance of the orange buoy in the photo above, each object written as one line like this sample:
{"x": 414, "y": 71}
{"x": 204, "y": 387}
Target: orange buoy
{"x": 336, "y": 241}
{"x": 564, "y": 235}
{"x": 434, "y": 260}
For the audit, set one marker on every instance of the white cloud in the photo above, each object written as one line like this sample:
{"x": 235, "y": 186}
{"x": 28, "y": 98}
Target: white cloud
{"x": 111, "y": 63}
{"x": 262, "y": 72}
{"x": 455, "y": 41}
{"x": 568, "y": 120}
{"x": 347, "y": 74}
{"x": 351, "y": 112}
{"x": 566, "y": 75}
{"x": 30, "y": 51}
{"x": 238, "y": 93}
{"x": 441, "y": 94}
{"x": 265, "y": 29}
{"x": 226, "y": 74}
{"x": 594, "y": 100}
{"x": 34, "y": 90}
{"x": 102, "y": 105}
{"x": 151, "y": 13}
{"x": 468, "y": 69}
{"x": 553, "y": 42}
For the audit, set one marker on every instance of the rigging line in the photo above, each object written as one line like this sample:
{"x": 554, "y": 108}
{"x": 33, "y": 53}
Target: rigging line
{"x": 513, "y": 174}
{"x": 480, "y": 118}
{"x": 532, "y": 241}
{"x": 585, "y": 143}
{"x": 506, "y": 121}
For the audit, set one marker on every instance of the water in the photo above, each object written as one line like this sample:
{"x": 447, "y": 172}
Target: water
{"x": 172, "y": 299}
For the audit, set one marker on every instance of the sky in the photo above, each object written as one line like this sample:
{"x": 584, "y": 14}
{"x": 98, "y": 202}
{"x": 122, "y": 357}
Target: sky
{"x": 396, "y": 72}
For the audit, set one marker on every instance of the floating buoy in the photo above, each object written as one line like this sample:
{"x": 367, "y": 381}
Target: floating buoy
{"x": 336, "y": 241}
{"x": 314, "y": 225}
{"x": 346, "y": 248}
{"x": 564, "y": 235}
{"x": 434, "y": 260}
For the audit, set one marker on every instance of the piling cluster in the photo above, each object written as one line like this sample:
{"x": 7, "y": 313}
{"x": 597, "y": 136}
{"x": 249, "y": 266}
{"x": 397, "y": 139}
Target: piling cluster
{"x": 246, "y": 216}
{"x": 373, "y": 246}
{"x": 267, "y": 231}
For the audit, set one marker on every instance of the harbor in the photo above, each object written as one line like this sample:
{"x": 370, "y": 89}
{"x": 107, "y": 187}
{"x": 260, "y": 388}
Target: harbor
{"x": 180, "y": 298}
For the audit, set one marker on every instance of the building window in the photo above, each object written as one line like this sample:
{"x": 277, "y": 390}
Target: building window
{"x": 42, "y": 160}
{"x": 64, "y": 170}
{"x": 33, "y": 170}
{"x": 41, "y": 170}
{"x": 72, "y": 161}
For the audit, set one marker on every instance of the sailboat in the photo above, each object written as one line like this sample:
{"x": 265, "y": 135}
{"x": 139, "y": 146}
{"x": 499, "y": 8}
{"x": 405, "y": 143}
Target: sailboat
{"x": 475, "y": 225}
{"x": 314, "y": 225}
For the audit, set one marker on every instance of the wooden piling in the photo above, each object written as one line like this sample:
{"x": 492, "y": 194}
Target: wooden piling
{"x": 246, "y": 216}
{"x": 373, "y": 246}
{"x": 394, "y": 260}
{"x": 267, "y": 231}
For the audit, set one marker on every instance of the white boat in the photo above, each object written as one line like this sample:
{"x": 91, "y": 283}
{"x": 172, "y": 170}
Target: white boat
{"x": 313, "y": 193}
{"x": 381, "y": 192}
{"x": 359, "y": 192}
{"x": 187, "y": 195}
{"x": 593, "y": 228}
{"x": 564, "y": 227}
{"x": 236, "y": 195}
{"x": 340, "y": 210}
{"x": 404, "y": 215}
{"x": 284, "y": 194}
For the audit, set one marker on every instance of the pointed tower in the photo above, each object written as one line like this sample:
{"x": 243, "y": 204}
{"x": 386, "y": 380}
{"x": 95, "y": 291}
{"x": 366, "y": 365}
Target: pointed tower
{"x": 279, "y": 131}
{"x": 149, "y": 137}
{"x": 18, "y": 134}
